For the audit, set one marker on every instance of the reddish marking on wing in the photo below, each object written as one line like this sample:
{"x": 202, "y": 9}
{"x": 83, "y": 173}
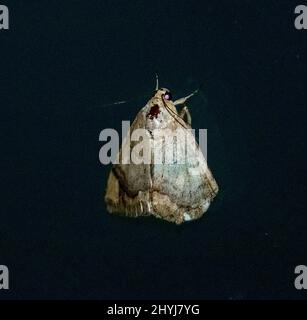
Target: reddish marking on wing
{"x": 153, "y": 112}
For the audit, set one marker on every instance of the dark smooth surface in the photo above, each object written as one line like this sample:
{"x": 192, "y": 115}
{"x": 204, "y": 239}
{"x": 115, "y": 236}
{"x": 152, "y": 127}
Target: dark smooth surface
{"x": 61, "y": 60}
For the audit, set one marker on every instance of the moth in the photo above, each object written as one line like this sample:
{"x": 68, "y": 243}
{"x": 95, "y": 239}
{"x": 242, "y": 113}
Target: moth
{"x": 176, "y": 184}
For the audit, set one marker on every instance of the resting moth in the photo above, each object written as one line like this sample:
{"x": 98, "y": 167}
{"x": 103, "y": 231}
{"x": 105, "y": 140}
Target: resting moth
{"x": 174, "y": 191}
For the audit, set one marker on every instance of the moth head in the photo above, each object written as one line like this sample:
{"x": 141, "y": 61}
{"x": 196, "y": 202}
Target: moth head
{"x": 164, "y": 93}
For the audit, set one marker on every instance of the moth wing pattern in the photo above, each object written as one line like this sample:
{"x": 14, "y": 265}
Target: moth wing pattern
{"x": 129, "y": 184}
{"x": 183, "y": 192}
{"x": 174, "y": 191}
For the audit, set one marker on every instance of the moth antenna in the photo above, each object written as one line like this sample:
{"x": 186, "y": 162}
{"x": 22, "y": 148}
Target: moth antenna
{"x": 114, "y": 103}
{"x": 175, "y": 116}
{"x": 184, "y": 99}
{"x": 157, "y": 81}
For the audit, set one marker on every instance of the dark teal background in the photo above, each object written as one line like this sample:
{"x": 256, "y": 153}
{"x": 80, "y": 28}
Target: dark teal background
{"x": 62, "y": 60}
